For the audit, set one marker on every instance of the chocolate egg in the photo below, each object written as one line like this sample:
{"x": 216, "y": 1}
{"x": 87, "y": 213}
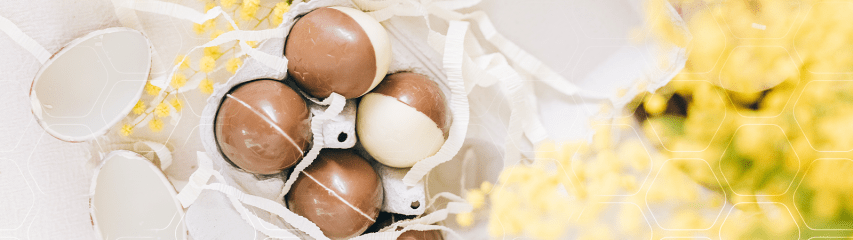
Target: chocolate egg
{"x": 405, "y": 119}
{"x": 340, "y": 192}
{"x": 421, "y": 235}
{"x": 262, "y": 127}
{"x": 337, "y": 49}
{"x": 385, "y": 219}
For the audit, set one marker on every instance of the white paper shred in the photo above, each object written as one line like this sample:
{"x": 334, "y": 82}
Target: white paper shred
{"x": 154, "y": 149}
{"x": 23, "y": 40}
{"x": 458, "y": 105}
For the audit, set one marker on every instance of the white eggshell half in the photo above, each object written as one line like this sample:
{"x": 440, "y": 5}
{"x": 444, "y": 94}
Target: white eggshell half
{"x": 378, "y": 36}
{"x": 394, "y": 133}
{"x": 132, "y": 199}
{"x": 91, "y": 84}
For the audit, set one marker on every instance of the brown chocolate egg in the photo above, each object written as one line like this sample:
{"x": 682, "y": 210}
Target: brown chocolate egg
{"x": 405, "y": 119}
{"x": 262, "y": 127}
{"x": 340, "y": 192}
{"x": 337, "y": 49}
{"x": 385, "y": 219}
{"x": 421, "y": 235}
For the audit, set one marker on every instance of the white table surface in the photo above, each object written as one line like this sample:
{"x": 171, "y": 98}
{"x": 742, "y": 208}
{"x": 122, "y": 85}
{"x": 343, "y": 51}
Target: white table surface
{"x": 44, "y": 183}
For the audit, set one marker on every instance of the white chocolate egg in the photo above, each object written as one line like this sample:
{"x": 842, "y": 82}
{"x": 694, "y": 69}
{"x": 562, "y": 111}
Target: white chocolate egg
{"x": 405, "y": 119}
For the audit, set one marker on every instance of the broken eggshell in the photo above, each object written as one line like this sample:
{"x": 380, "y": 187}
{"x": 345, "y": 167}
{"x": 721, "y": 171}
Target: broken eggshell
{"x": 404, "y": 120}
{"x": 131, "y": 198}
{"x": 337, "y": 49}
{"x": 91, "y": 83}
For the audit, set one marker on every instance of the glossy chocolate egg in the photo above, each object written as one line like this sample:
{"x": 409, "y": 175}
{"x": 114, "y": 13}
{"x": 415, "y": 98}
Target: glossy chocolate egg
{"x": 421, "y": 235}
{"x": 385, "y": 219}
{"x": 405, "y": 119}
{"x": 263, "y": 127}
{"x": 340, "y": 192}
{"x": 337, "y": 49}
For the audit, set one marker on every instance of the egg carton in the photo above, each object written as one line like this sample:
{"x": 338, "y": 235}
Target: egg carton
{"x": 335, "y": 132}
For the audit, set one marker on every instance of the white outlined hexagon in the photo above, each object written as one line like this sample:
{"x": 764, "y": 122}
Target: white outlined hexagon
{"x": 805, "y": 20}
{"x": 805, "y": 175}
{"x": 720, "y": 125}
{"x": 28, "y": 187}
{"x": 729, "y": 145}
{"x": 799, "y": 11}
{"x": 41, "y": 187}
{"x": 651, "y": 185}
{"x": 797, "y": 121}
{"x": 787, "y": 101}
{"x": 10, "y": 129}
{"x": 731, "y": 211}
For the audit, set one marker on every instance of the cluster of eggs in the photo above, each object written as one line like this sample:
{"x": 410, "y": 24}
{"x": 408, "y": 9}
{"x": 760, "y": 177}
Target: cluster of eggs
{"x": 263, "y": 126}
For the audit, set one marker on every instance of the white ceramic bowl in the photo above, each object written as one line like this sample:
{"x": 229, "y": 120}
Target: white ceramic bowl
{"x": 91, "y": 83}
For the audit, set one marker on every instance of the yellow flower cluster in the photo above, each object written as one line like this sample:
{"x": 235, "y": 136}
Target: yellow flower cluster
{"x": 178, "y": 80}
{"x": 213, "y": 52}
{"x": 228, "y": 3}
{"x": 155, "y": 125}
{"x": 215, "y": 34}
{"x": 204, "y": 27}
{"x": 164, "y": 102}
{"x": 151, "y": 89}
{"x": 139, "y": 108}
{"x": 162, "y": 110}
{"x": 753, "y": 104}
{"x": 250, "y": 8}
{"x": 177, "y": 104}
{"x": 207, "y": 64}
{"x": 206, "y": 86}
{"x": 477, "y": 199}
{"x": 536, "y": 199}
{"x": 126, "y": 130}
{"x": 654, "y": 104}
{"x": 278, "y": 12}
{"x": 750, "y": 122}
{"x": 182, "y": 64}
{"x": 233, "y": 64}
